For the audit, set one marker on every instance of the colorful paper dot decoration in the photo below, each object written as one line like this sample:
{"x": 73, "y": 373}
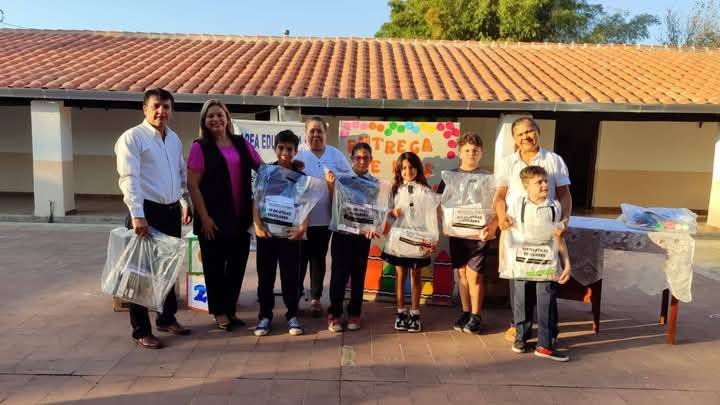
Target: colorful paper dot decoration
{"x": 388, "y": 132}
{"x": 440, "y": 126}
{"x": 401, "y": 128}
{"x": 451, "y": 154}
{"x": 363, "y": 125}
{"x": 371, "y": 125}
{"x": 355, "y": 124}
{"x": 455, "y": 132}
{"x": 449, "y": 125}
{"x": 452, "y": 144}
{"x": 415, "y": 129}
{"x": 344, "y": 133}
{"x": 346, "y": 124}
{"x": 447, "y": 134}
{"x": 393, "y": 125}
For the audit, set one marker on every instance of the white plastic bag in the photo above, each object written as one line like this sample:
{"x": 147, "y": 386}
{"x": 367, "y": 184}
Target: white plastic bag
{"x": 530, "y": 248}
{"x": 285, "y": 198}
{"x": 467, "y": 203}
{"x": 359, "y": 205}
{"x": 530, "y": 259}
{"x": 659, "y": 219}
{"x": 146, "y": 269}
{"x": 416, "y": 231}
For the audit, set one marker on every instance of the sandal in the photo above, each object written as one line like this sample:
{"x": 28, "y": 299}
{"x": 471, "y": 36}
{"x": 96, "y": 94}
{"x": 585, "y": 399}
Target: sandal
{"x": 223, "y": 324}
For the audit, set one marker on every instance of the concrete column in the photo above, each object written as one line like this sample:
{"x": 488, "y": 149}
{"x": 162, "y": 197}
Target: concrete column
{"x": 713, "y": 218}
{"x": 504, "y": 144}
{"x": 281, "y": 113}
{"x": 52, "y": 158}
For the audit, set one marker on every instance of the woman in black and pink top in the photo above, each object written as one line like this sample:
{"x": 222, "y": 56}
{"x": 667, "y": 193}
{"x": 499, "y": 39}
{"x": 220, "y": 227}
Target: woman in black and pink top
{"x": 219, "y": 178}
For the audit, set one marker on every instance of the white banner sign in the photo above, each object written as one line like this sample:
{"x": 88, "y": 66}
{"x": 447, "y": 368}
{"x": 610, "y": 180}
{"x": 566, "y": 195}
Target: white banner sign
{"x": 261, "y": 134}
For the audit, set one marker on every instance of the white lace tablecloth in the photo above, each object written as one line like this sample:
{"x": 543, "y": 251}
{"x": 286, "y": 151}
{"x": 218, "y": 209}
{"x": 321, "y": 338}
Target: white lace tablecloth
{"x": 625, "y": 257}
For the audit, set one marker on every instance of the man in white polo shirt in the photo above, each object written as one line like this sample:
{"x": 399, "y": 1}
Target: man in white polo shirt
{"x": 526, "y": 136}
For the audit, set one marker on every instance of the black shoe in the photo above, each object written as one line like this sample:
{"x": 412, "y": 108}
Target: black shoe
{"x": 473, "y": 326}
{"x": 236, "y": 321}
{"x": 414, "y": 324}
{"x": 519, "y": 347}
{"x": 401, "y": 320}
{"x": 462, "y": 321}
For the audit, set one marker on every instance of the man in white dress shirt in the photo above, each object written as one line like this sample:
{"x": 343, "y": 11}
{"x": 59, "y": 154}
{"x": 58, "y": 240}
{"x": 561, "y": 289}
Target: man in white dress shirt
{"x": 152, "y": 179}
{"x": 526, "y": 136}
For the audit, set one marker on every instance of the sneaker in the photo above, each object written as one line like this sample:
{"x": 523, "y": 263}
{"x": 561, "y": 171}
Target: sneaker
{"x": 401, "y": 321}
{"x": 473, "y": 326}
{"x": 519, "y": 347}
{"x": 334, "y": 325}
{"x": 460, "y": 323}
{"x": 414, "y": 324}
{"x": 263, "y": 327}
{"x": 353, "y": 323}
{"x": 551, "y": 354}
{"x": 294, "y": 327}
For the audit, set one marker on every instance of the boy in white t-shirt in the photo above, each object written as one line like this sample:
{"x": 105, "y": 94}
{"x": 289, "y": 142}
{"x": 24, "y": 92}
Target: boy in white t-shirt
{"x": 535, "y": 217}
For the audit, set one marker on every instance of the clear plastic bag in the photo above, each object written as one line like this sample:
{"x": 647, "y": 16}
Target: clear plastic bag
{"x": 534, "y": 258}
{"x": 285, "y": 198}
{"x": 467, "y": 203}
{"x": 146, "y": 269}
{"x": 416, "y": 231}
{"x": 529, "y": 248}
{"x": 359, "y": 205}
{"x": 659, "y": 219}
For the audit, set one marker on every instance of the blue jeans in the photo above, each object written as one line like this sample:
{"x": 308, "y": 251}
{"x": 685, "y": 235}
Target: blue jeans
{"x": 546, "y": 298}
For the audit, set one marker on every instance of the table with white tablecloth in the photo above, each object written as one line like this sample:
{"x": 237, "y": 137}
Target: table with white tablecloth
{"x": 606, "y": 251}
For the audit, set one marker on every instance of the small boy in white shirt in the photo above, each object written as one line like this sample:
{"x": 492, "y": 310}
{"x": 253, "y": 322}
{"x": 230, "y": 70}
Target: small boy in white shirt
{"x": 535, "y": 218}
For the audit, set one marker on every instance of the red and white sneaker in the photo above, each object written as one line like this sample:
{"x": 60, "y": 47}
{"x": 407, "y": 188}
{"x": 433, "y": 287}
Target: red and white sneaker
{"x": 353, "y": 323}
{"x": 551, "y": 354}
{"x": 334, "y": 325}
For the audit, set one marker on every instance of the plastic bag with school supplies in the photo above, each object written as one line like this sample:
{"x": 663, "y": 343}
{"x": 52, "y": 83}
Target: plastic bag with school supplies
{"x": 285, "y": 197}
{"x": 359, "y": 205}
{"x": 415, "y": 233}
{"x": 530, "y": 248}
{"x": 146, "y": 269}
{"x": 659, "y": 219}
{"x": 467, "y": 203}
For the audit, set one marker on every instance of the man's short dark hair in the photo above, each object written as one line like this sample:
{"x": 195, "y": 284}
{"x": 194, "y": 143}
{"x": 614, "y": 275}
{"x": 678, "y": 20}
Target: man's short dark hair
{"x": 286, "y": 136}
{"x": 161, "y": 94}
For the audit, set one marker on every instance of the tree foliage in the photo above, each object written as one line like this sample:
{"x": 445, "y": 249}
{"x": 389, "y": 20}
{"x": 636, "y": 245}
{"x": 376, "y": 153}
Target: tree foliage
{"x": 514, "y": 20}
{"x": 701, "y": 28}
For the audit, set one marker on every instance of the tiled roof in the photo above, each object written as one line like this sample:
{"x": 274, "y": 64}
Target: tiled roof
{"x": 358, "y": 68}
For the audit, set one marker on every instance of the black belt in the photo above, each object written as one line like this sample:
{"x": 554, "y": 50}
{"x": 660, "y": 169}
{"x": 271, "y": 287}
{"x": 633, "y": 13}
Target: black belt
{"x": 154, "y": 205}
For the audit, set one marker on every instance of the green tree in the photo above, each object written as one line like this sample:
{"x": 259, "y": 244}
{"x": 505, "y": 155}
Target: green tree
{"x": 515, "y": 20}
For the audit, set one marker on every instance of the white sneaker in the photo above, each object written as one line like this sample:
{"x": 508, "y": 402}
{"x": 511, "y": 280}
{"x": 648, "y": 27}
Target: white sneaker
{"x": 263, "y": 327}
{"x": 294, "y": 327}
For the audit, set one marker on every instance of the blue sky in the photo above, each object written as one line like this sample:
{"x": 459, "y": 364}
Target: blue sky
{"x": 359, "y": 18}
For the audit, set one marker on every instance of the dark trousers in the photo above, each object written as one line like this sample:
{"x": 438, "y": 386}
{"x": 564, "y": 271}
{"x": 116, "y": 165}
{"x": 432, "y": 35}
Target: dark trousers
{"x": 166, "y": 219}
{"x": 545, "y": 293}
{"x": 349, "y": 261}
{"x": 224, "y": 261}
{"x": 314, "y": 252}
{"x": 269, "y": 253}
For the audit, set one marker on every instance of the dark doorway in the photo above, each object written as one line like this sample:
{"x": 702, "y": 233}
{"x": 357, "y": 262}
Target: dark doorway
{"x": 576, "y": 140}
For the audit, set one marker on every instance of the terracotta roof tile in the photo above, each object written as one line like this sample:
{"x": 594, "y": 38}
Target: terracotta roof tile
{"x": 358, "y": 68}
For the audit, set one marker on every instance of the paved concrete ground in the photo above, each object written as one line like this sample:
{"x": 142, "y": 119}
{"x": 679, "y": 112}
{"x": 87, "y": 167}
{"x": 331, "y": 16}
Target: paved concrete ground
{"x": 61, "y": 343}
